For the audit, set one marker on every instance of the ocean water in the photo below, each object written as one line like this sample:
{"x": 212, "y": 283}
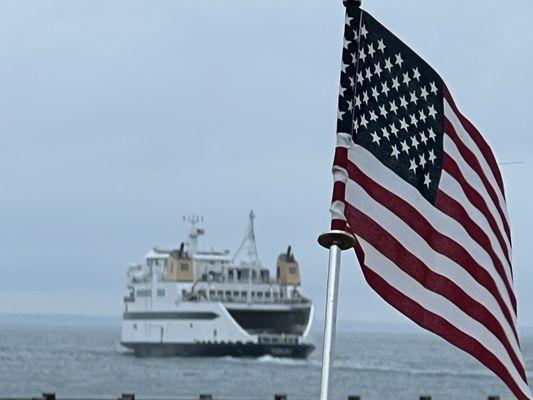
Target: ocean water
{"x": 84, "y": 361}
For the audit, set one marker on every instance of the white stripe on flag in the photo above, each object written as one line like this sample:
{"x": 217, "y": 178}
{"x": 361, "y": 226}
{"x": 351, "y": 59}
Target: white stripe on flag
{"x": 337, "y": 210}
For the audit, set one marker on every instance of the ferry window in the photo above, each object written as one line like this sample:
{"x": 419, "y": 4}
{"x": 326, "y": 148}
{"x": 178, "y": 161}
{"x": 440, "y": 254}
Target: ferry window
{"x": 243, "y": 293}
{"x": 292, "y": 270}
{"x": 228, "y": 293}
{"x": 161, "y": 292}
{"x": 253, "y": 293}
{"x": 267, "y": 295}
{"x": 184, "y": 266}
{"x": 143, "y": 293}
{"x": 260, "y": 294}
{"x": 211, "y": 293}
{"x": 265, "y": 275}
{"x": 235, "y": 293}
{"x": 220, "y": 293}
{"x": 230, "y": 275}
{"x": 276, "y": 294}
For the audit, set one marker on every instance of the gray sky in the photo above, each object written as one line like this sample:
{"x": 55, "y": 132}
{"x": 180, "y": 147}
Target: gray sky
{"x": 118, "y": 117}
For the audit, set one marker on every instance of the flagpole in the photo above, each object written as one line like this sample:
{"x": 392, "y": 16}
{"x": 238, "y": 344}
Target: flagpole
{"x": 336, "y": 242}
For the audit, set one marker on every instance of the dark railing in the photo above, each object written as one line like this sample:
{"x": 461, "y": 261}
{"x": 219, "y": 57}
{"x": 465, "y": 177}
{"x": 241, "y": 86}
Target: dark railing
{"x": 242, "y": 298}
{"x": 265, "y": 338}
{"x": 131, "y": 396}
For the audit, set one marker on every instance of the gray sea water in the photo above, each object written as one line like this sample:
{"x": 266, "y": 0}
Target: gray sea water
{"x": 87, "y": 361}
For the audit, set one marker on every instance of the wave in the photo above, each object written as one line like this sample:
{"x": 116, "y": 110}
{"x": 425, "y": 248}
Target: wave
{"x": 356, "y": 367}
{"x": 272, "y": 360}
{"x": 414, "y": 371}
{"x": 287, "y": 361}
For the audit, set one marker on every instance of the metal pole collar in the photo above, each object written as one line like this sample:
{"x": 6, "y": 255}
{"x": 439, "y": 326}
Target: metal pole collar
{"x": 342, "y": 239}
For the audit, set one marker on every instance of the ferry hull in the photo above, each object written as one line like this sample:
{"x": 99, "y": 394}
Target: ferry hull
{"x": 299, "y": 351}
{"x": 292, "y": 321}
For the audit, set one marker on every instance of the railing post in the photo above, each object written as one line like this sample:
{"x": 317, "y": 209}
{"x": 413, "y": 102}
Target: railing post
{"x": 280, "y": 397}
{"x": 494, "y": 398}
{"x": 127, "y": 396}
{"x": 49, "y": 396}
{"x": 425, "y": 397}
{"x": 354, "y": 397}
{"x": 206, "y": 397}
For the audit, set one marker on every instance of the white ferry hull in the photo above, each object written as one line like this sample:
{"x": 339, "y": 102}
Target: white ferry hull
{"x": 193, "y": 329}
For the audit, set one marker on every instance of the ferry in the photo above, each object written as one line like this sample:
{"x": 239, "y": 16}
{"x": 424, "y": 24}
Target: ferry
{"x": 193, "y": 302}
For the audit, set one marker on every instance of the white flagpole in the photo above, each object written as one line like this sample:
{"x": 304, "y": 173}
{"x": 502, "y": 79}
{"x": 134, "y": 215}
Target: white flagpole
{"x": 336, "y": 242}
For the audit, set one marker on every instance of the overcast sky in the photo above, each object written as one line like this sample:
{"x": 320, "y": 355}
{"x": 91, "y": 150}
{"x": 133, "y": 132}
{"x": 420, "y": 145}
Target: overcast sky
{"x": 118, "y": 117}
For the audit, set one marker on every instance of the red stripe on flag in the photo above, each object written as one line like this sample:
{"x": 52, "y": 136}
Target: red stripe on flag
{"x": 339, "y": 189}
{"x": 338, "y": 225}
{"x": 341, "y": 156}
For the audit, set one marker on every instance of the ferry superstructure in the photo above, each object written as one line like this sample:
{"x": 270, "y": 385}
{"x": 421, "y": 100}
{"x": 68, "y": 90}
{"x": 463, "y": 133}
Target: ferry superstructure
{"x": 193, "y": 302}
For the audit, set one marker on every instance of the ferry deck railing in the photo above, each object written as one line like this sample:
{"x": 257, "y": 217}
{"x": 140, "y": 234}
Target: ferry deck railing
{"x": 268, "y": 338}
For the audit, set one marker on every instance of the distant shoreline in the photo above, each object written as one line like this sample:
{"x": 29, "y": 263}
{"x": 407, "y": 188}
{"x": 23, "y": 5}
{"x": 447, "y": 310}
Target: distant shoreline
{"x": 73, "y": 320}
{"x": 58, "y": 320}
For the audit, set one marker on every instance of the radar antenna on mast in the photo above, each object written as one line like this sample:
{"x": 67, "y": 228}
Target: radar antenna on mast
{"x": 194, "y": 233}
{"x": 249, "y": 244}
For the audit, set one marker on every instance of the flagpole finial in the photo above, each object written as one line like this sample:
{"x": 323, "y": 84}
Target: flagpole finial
{"x": 352, "y": 3}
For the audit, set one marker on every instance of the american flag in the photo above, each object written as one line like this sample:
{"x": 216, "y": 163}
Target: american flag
{"x": 420, "y": 189}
